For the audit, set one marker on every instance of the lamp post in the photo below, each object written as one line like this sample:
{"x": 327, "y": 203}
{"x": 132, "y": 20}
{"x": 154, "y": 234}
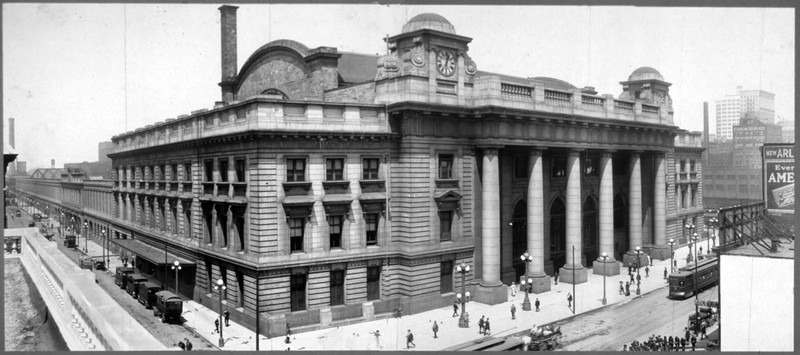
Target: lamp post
{"x": 527, "y": 258}
{"x": 638, "y": 264}
{"x": 463, "y": 268}
{"x": 103, "y": 234}
{"x": 690, "y": 228}
{"x": 671, "y": 243}
{"x": 605, "y": 257}
{"x": 86, "y": 237}
{"x": 60, "y": 224}
{"x": 713, "y": 223}
{"x": 176, "y": 265}
{"x": 221, "y": 287}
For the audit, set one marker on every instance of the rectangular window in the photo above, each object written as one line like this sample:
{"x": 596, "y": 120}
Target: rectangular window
{"x": 694, "y": 198}
{"x": 162, "y": 172}
{"x": 521, "y": 167}
{"x": 590, "y": 167}
{"x": 298, "y": 292}
{"x": 239, "y": 166}
{"x": 151, "y": 170}
{"x": 335, "y": 231}
{"x": 445, "y": 166}
{"x": 691, "y": 165}
{"x": 560, "y": 168}
{"x": 209, "y": 169}
{"x": 295, "y": 170}
{"x": 373, "y": 283}
{"x": 187, "y": 172}
{"x": 371, "y": 221}
{"x": 296, "y": 226}
{"x": 334, "y": 169}
{"x": 446, "y": 276}
{"x": 683, "y": 166}
{"x": 370, "y": 169}
{"x": 445, "y": 225}
{"x": 683, "y": 198}
{"x": 173, "y": 174}
{"x": 223, "y": 170}
{"x": 337, "y": 287}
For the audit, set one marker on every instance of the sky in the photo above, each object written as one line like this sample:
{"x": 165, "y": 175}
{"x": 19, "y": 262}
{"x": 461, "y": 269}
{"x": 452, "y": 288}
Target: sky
{"x": 75, "y": 75}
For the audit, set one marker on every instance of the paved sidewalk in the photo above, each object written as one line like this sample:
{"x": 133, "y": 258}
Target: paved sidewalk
{"x": 360, "y": 336}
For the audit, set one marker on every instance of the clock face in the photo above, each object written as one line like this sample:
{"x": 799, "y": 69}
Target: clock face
{"x": 446, "y": 62}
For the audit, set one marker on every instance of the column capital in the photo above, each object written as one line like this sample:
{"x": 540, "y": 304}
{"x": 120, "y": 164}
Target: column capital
{"x": 607, "y": 152}
{"x": 490, "y": 149}
{"x": 535, "y": 150}
{"x": 576, "y": 151}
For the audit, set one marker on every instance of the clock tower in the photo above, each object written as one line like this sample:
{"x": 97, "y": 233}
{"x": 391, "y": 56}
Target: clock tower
{"x": 430, "y": 59}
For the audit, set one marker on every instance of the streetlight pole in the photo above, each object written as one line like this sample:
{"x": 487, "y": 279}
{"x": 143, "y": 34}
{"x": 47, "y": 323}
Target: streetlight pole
{"x": 574, "y": 295}
{"x": 638, "y": 265}
{"x": 694, "y": 284}
{"x": 103, "y": 234}
{"x": 86, "y": 237}
{"x": 463, "y": 268}
{"x": 176, "y": 265}
{"x": 605, "y": 257}
{"x": 690, "y": 227}
{"x": 61, "y": 224}
{"x": 221, "y": 287}
{"x": 526, "y": 305}
{"x": 713, "y": 222}
{"x": 671, "y": 243}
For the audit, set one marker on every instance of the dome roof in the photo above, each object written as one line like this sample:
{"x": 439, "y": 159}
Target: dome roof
{"x": 645, "y": 73}
{"x": 429, "y": 21}
{"x": 553, "y": 83}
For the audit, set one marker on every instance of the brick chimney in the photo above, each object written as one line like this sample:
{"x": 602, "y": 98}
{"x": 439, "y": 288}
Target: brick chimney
{"x": 228, "y": 50}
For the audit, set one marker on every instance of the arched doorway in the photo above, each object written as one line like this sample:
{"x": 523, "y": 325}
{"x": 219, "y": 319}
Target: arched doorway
{"x": 519, "y": 234}
{"x": 620, "y": 227}
{"x": 590, "y": 233}
{"x": 558, "y": 233}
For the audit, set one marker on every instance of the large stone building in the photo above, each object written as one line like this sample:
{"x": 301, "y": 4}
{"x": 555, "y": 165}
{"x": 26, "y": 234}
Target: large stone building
{"x": 327, "y": 186}
{"x": 732, "y": 108}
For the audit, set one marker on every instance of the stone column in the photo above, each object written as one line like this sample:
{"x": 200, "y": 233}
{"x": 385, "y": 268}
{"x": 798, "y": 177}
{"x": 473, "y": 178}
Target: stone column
{"x": 574, "y": 214}
{"x": 490, "y": 218}
{"x": 659, "y": 249}
{"x": 490, "y": 289}
{"x": 535, "y": 271}
{"x": 611, "y": 266}
{"x": 634, "y": 207}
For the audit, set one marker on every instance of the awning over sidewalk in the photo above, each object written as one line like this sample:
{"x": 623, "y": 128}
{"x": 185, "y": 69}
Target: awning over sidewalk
{"x": 151, "y": 254}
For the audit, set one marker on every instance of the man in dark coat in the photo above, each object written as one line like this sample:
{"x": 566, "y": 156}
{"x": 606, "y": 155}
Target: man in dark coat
{"x": 694, "y": 341}
{"x": 555, "y": 277}
{"x": 188, "y": 345}
{"x": 435, "y": 329}
{"x": 410, "y": 340}
{"x": 480, "y": 325}
{"x": 227, "y": 317}
{"x": 569, "y": 300}
{"x": 537, "y": 305}
{"x": 455, "y": 309}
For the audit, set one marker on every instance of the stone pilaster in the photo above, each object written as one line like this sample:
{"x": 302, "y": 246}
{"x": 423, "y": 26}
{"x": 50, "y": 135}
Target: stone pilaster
{"x": 659, "y": 250}
{"x": 634, "y": 207}
{"x": 611, "y": 266}
{"x": 541, "y": 282}
{"x": 573, "y": 271}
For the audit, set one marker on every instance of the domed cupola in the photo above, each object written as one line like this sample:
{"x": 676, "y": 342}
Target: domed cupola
{"x": 429, "y": 21}
{"x": 648, "y": 85}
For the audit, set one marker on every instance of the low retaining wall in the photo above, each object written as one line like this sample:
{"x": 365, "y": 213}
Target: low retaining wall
{"x": 89, "y": 319}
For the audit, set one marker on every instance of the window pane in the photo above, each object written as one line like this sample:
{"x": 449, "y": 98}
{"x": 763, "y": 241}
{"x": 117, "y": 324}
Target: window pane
{"x": 335, "y": 227}
{"x": 174, "y": 172}
{"x": 223, "y": 170}
{"x": 373, "y": 283}
{"x": 371, "y": 220}
{"x": 298, "y": 292}
{"x": 334, "y": 169}
{"x": 239, "y": 170}
{"x": 337, "y": 287}
{"x": 446, "y": 166}
{"x": 447, "y": 276}
{"x": 209, "y": 165}
{"x": 296, "y": 234}
{"x": 295, "y": 170}
{"x": 370, "y": 169}
{"x": 187, "y": 172}
{"x": 445, "y": 224}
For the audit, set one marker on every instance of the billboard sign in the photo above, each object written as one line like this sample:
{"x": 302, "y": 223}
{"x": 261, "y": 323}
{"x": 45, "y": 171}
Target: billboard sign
{"x": 779, "y": 177}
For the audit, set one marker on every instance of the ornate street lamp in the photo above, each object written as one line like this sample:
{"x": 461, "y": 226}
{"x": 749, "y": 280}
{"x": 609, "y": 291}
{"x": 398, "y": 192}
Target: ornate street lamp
{"x": 526, "y": 305}
{"x": 463, "y": 268}
{"x": 671, "y": 243}
{"x": 638, "y": 265}
{"x": 176, "y": 265}
{"x": 221, "y": 287}
{"x": 605, "y": 257}
{"x": 60, "y": 224}
{"x": 105, "y": 252}
{"x": 713, "y": 222}
{"x": 86, "y": 237}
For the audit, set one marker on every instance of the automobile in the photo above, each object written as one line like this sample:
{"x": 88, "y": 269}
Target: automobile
{"x": 69, "y": 241}
{"x": 99, "y": 265}
{"x": 169, "y": 307}
{"x": 147, "y": 294}
{"x": 86, "y": 262}
{"x": 132, "y": 283}
{"x": 121, "y": 274}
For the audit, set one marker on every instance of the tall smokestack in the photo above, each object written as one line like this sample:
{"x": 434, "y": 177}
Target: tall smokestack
{"x": 228, "y": 50}
{"x": 11, "y": 132}
{"x": 52, "y": 163}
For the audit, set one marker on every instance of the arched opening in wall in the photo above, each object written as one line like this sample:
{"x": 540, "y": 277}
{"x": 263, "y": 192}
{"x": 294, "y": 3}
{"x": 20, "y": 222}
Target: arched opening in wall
{"x": 590, "y": 237}
{"x": 275, "y": 94}
{"x": 620, "y": 227}
{"x": 519, "y": 233}
{"x": 222, "y": 223}
{"x": 558, "y": 233}
{"x": 208, "y": 220}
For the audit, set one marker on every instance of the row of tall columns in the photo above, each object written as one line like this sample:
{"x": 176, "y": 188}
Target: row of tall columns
{"x": 573, "y": 270}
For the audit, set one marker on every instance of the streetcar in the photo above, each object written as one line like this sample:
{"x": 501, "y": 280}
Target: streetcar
{"x": 681, "y": 283}
{"x": 168, "y": 307}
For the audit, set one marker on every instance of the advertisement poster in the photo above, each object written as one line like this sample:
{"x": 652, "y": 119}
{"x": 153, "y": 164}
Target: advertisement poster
{"x": 779, "y": 177}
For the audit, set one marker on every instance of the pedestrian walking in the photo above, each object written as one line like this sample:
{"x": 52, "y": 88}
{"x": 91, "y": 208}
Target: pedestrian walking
{"x": 513, "y": 311}
{"x": 701, "y": 251}
{"x": 638, "y": 279}
{"x": 480, "y": 325}
{"x": 621, "y": 288}
{"x": 555, "y": 277}
{"x": 683, "y": 344}
{"x": 671, "y": 342}
{"x": 188, "y": 345}
{"x": 674, "y": 264}
{"x": 649, "y": 260}
{"x": 627, "y": 289}
{"x": 455, "y": 309}
{"x": 487, "y": 329}
{"x": 537, "y": 305}
{"x": 410, "y": 340}
{"x": 377, "y": 334}
{"x": 435, "y": 329}
{"x": 646, "y": 271}
{"x": 227, "y": 316}
{"x": 216, "y": 326}
{"x": 694, "y": 341}
{"x": 513, "y": 290}
{"x": 665, "y": 272}
{"x": 182, "y": 345}
{"x": 630, "y": 268}
{"x": 631, "y": 275}
{"x": 569, "y": 299}
{"x": 288, "y": 329}
{"x": 688, "y": 334}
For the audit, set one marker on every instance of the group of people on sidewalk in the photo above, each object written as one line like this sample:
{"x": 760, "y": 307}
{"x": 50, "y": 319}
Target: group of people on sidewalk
{"x": 664, "y": 343}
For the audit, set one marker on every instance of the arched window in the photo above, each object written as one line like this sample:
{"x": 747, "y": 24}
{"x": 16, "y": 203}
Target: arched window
{"x": 558, "y": 230}
{"x": 276, "y": 93}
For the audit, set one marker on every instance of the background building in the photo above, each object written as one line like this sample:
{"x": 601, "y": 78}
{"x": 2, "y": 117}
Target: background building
{"x": 731, "y": 108}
